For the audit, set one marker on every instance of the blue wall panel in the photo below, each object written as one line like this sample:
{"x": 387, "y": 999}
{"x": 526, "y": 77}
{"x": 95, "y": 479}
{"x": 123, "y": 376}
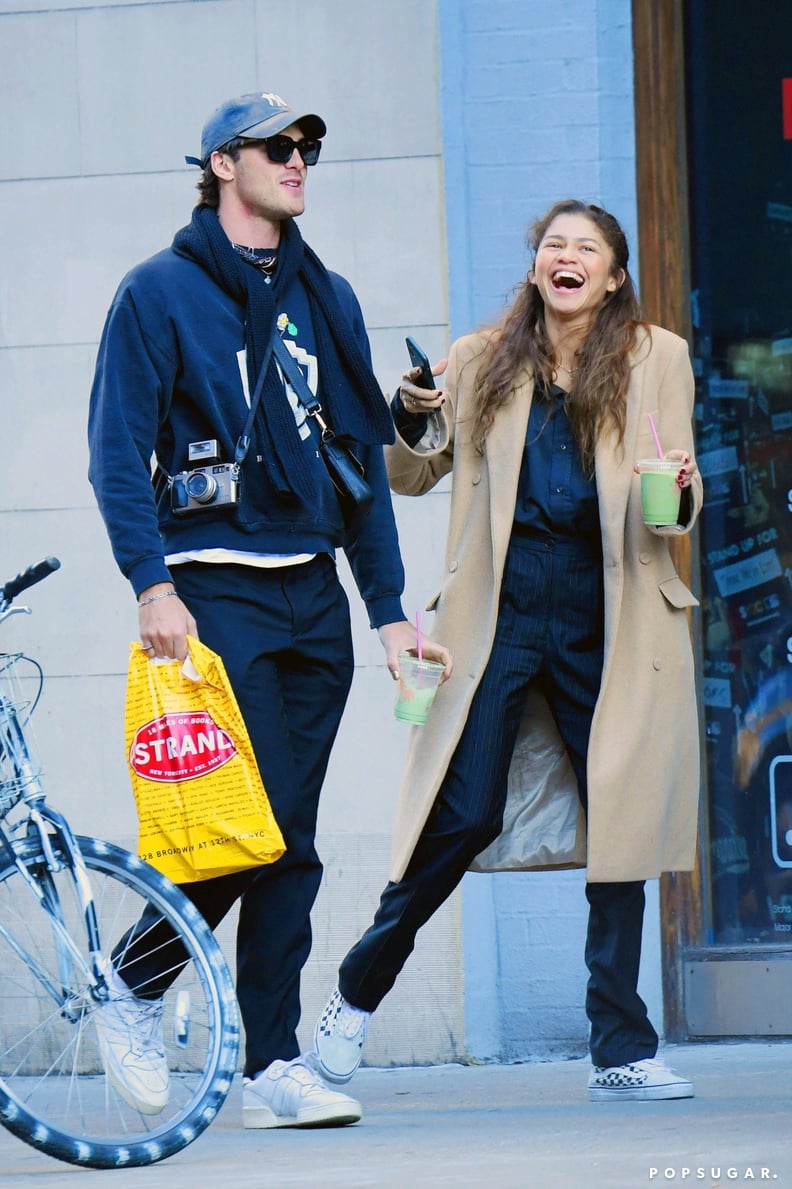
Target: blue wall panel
{"x": 536, "y": 105}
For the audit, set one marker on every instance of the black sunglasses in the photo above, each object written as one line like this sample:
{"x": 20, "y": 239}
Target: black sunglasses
{"x": 280, "y": 148}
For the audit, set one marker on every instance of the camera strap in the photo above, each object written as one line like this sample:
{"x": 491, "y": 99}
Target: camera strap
{"x": 298, "y": 383}
{"x": 161, "y": 476}
{"x": 243, "y": 444}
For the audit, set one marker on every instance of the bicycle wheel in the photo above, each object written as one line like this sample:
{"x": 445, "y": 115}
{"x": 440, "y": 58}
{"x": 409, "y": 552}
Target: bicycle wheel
{"x": 54, "y": 1093}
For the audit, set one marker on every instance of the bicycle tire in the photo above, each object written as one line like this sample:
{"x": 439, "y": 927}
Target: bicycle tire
{"x": 54, "y": 1094}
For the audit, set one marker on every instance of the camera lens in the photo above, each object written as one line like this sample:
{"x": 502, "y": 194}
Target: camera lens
{"x": 200, "y": 487}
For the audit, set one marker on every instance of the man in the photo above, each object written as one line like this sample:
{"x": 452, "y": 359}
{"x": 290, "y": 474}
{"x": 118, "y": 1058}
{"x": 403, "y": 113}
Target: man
{"x": 248, "y": 566}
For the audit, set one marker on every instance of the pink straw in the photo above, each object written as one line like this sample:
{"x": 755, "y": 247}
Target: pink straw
{"x": 653, "y": 428}
{"x": 419, "y": 645}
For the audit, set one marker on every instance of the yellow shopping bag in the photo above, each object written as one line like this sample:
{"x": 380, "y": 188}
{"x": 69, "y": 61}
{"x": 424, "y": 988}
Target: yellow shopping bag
{"x": 201, "y": 804}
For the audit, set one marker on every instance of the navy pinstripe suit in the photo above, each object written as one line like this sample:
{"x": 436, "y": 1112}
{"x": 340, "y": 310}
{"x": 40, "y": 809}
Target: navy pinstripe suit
{"x": 550, "y": 633}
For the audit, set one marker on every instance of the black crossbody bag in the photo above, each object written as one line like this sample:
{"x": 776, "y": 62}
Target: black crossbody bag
{"x": 343, "y": 466}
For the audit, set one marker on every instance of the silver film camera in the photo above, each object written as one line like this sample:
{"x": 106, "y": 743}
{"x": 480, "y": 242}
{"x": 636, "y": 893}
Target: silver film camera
{"x": 213, "y": 485}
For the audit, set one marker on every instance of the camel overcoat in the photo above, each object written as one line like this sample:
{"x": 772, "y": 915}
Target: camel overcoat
{"x": 643, "y": 759}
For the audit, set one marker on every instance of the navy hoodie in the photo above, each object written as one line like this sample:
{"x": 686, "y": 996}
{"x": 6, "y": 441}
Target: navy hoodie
{"x": 171, "y": 371}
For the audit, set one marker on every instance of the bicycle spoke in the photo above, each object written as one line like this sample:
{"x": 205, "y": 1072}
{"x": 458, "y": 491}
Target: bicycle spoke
{"x": 54, "y": 1092}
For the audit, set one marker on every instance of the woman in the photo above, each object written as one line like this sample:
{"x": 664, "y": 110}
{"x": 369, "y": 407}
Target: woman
{"x": 573, "y": 680}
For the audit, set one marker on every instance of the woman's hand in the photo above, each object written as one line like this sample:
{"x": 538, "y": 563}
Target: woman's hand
{"x": 687, "y": 466}
{"x": 418, "y": 401}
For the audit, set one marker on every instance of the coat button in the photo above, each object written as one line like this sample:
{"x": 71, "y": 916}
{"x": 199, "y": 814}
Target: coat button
{"x": 476, "y": 478}
{"x": 656, "y": 665}
{"x": 644, "y": 558}
{"x": 453, "y": 567}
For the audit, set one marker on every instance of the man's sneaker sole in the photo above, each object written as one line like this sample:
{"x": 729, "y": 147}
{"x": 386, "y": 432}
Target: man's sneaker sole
{"x": 640, "y": 1093}
{"x": 337, "y": 1116}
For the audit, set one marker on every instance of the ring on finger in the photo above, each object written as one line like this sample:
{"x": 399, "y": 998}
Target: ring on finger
{"x": 148, "y": 647}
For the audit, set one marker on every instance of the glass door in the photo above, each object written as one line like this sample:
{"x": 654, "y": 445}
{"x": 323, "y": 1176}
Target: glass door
{"x": 739, "y": 98}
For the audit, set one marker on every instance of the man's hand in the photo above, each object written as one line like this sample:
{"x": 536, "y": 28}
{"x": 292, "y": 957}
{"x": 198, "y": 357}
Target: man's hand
{"x": 165, "y": 622}
{"x": 402, "y": 637}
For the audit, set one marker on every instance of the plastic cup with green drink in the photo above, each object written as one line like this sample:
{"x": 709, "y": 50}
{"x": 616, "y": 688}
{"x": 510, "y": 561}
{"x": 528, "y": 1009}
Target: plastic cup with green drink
{"x": 418, "y": 683}
{"x": 660, "y": 491}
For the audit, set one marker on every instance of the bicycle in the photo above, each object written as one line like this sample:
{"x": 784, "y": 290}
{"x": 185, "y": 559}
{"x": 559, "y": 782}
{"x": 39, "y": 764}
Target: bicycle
{"x": 70, "y": 907}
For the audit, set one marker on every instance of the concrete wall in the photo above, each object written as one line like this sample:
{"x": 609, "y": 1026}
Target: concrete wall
{"x": 101, "y": 102}
{"x": 450, "y": 126}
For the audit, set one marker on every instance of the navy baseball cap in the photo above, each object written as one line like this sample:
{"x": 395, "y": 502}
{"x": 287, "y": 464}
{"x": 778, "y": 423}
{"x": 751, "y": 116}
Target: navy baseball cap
{"x": 257, "y": 116}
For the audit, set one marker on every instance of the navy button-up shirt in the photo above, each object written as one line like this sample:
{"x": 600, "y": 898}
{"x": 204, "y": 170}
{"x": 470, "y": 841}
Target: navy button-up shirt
{"x": 555, "y": 498}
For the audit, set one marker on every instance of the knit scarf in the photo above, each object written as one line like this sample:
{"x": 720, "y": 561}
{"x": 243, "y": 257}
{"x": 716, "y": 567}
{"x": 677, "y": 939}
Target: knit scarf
{"x": 348, "y": 389}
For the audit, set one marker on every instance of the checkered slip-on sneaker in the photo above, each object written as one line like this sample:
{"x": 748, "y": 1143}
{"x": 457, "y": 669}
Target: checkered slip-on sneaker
{"x": 339, "y": 1036}
{"x": 640, "y": 1081}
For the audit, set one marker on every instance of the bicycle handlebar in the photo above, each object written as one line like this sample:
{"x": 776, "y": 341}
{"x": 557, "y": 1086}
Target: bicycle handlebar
{"x": 28, "y": 577}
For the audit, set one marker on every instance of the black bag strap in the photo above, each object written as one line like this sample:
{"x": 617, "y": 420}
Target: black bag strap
{"x": 289, "y": 367}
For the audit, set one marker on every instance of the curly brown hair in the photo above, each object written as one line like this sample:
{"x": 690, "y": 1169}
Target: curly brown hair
{"x": 597, "y": 395}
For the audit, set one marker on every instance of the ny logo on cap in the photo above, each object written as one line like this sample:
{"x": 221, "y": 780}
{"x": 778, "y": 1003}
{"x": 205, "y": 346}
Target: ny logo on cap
{"x": 273, "y": 99}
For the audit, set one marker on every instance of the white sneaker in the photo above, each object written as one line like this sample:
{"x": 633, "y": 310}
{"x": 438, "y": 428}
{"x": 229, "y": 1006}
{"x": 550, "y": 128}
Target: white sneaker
{"x": 291, "y": 1094}
{"x": 640, "y": 1081}
{"x": 339, "y": 1036}
{"x": 129, "y": 1031}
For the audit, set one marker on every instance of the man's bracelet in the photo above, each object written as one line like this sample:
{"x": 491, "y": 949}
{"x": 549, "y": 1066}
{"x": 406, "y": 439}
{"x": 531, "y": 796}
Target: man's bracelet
{"x": 163, "y": 594}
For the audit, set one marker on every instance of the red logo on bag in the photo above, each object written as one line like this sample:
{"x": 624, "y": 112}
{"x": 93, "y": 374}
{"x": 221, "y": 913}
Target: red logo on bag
{"x": 180, "y": 747}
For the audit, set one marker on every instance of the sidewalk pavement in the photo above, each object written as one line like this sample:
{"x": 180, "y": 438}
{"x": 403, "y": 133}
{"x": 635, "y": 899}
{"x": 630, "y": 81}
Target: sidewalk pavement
{"x": 496, "y": 1126}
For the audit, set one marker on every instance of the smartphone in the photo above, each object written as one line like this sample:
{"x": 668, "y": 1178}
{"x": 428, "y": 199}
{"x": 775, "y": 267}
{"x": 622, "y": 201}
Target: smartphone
{"x": 418, "y": 358}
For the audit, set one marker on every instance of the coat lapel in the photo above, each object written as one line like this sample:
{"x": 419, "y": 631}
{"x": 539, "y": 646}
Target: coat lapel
{"x": 503, "y": 450}
{"x": 613, "y": 464}
{"x": 614, "y": 468}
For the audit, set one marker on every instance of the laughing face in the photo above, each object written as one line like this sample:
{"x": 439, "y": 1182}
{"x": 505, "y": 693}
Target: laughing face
{"x": 574, "y": 269}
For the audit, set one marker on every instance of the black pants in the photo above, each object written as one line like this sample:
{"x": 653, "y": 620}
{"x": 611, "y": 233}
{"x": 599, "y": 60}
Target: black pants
{"x": 285, "y": 639}
{"x": 549, "y": 632}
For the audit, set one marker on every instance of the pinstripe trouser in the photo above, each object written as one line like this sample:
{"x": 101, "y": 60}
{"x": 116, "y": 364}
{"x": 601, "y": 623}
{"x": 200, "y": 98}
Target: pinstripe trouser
{"x": 549, "y": 634}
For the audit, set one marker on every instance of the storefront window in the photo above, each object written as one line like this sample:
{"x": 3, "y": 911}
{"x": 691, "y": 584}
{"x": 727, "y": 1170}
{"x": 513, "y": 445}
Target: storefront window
{"x": 740, "y": 169}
